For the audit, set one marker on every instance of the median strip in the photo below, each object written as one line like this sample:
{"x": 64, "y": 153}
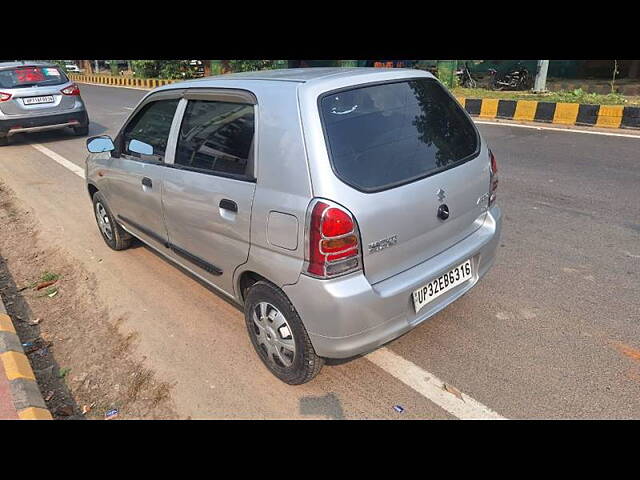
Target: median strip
{"x": 559, "y": 113}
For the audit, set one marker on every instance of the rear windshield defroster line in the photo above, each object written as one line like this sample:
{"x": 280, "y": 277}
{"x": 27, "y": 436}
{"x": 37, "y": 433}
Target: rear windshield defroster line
{"x": 384, "y": 135}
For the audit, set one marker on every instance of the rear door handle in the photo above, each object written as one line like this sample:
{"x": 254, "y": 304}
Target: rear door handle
{"x": 146, "y": 181}
{"x": 230, "y": 205}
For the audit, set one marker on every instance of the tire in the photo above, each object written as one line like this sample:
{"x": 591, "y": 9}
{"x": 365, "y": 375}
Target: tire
{"x": 81, "y": 131}
{"x": 293, "y": 367}
{"x": 118, "y": 239}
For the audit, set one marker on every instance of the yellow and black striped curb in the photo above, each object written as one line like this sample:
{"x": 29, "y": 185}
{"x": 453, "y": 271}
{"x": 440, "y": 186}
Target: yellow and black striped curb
{"x": 26, "y": 395}
{"x": 121, "y": 81}
{"x": 607, "y": 116}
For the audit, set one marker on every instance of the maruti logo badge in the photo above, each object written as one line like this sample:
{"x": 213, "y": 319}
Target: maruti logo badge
{"x": 382, "y": 244}
{"x": 441, "y": 194}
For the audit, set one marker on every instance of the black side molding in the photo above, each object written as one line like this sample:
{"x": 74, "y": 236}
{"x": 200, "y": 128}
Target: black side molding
{"x": 206, "y": 266}
{"x": 144, "y": 230}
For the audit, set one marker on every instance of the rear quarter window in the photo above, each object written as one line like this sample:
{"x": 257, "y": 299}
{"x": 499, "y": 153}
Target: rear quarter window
{"x": 385, "y": 135}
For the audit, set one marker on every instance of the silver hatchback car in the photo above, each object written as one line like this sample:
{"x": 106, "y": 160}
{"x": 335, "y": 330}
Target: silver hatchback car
{"x": 339, "y": 207}
{"x": 36, "y": 97}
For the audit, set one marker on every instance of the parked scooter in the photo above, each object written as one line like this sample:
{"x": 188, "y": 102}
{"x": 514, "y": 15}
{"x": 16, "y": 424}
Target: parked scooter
{"x": 518, "y": 78}
{"x": 464, "y": 77}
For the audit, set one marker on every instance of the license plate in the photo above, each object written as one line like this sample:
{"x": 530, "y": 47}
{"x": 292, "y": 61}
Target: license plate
{"x": 442, "y": 284}
{"x": 35, "y": 100}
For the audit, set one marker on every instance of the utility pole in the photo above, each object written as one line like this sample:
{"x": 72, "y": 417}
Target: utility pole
{"x": 96, "y": 66}
{"x": 540, "y": 84}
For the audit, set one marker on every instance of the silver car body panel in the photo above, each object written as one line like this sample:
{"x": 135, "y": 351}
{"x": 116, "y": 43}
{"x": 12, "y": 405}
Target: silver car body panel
{"x": 346, "y": 315}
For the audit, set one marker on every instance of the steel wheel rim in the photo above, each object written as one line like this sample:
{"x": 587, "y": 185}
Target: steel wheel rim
{"x": 103, "y": 221}
{"x": 273, "y": 334}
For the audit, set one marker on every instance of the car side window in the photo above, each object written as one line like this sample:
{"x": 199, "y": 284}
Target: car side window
{"x": 216, "y": 137}
{"x": 150, "y": 126}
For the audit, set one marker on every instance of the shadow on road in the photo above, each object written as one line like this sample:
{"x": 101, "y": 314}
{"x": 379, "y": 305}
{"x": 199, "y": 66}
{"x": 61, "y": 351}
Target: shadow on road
{"x": 54, "y": 136}
{"x": 328, "y": 405}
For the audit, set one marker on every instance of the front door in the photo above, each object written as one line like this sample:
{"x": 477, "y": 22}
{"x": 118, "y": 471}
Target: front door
{"x": 208, "y": 192}
{"x": 137, "y": 168}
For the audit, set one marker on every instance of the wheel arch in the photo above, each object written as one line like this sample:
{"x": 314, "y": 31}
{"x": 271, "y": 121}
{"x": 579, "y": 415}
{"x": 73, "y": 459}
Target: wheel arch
{"x": 92, "y": 189}
{"x": 246, "y": 279}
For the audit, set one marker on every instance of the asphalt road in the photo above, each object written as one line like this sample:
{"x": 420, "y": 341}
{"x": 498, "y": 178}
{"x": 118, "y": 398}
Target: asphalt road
{"x": 553, "y": 331}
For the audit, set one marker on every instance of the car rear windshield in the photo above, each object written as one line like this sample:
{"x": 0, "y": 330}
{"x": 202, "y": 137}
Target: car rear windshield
{"x": 385, "y": 135}
{"x": 22, "y": 77}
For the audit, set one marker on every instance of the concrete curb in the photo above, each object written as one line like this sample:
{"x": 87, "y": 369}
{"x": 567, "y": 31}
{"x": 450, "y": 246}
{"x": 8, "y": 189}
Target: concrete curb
{"x": 142, "y": 83}
{"x": 27, "y": 398}
{"x": 602, "y": 116}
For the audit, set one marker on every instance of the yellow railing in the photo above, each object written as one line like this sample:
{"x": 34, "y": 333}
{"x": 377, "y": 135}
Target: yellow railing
{"x": 121, "y": 81}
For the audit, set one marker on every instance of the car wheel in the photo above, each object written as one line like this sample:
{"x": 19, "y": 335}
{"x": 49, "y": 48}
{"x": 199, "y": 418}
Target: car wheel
{"x": 81, "y": 131}
{"x": 278, "y": 335}
{"x": 112, "y": 233}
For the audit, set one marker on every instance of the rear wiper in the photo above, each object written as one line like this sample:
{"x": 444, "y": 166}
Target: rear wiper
{"x": 24, "y": 85}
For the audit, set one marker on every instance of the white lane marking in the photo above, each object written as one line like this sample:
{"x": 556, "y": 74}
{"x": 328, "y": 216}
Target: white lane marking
{"x": 430, "y": 386}
{"x": 128, "y": 108}
{"x": 60, "y": 159}
{"x": 423, "y": 382}
{"x": 567, "y": 130}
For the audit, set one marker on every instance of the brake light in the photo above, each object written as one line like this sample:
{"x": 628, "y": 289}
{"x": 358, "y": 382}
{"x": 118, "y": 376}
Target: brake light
{"x": 333, "y": 241}
{"x": 4, "y": 96}
{"x": 71, "y": 90}
{"x": 493, "y": 179}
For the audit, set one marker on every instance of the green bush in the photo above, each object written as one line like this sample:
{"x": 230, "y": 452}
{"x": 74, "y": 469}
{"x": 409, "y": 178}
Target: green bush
{"x": 146, "y": 68}
{"x": 250, "y": 65}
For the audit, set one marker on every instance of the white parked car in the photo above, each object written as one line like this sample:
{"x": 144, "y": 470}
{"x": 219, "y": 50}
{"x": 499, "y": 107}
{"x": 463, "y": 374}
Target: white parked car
{"x": 72, "y": 68}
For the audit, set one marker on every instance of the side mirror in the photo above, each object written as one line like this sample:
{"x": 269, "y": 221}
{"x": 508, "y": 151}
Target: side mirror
{"x": 140, "y": 147}
{"x": 100, "y": 144}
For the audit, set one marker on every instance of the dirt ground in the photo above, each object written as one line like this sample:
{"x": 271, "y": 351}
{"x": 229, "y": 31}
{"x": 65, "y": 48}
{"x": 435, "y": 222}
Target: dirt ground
{"x": 84, "y": 366}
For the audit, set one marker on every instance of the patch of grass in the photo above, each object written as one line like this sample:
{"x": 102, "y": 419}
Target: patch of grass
{"x": 49, "y": 277}
{"x": 63, "y": 372}
{"x": 573, "y": 96}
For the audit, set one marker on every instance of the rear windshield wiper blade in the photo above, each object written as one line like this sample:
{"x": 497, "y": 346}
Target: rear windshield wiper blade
{"x": 25, "y": 85}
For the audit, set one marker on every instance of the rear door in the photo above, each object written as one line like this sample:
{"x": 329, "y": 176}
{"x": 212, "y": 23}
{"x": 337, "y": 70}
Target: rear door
{"x": 135, "y": 171}
{"x": 208, "y": 192}
{"x": 408, "y": 151}
{"x": 35, "y": 91}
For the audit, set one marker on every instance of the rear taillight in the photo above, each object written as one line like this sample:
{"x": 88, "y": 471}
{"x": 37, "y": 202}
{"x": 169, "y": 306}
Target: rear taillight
{"x": 493, "y": 180}
{"x": 71, "y": 90}
{"x": 4, "y": 96}
{"x": 333, "y": 241}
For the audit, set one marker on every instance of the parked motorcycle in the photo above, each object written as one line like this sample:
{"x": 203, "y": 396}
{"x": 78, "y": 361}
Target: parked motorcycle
{"x": 518, "y": 78}
{"x": 464, "y": 77}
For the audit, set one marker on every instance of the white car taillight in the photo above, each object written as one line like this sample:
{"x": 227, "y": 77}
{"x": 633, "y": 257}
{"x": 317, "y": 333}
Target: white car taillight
{"x": 333, "y": 241}
{"x": 4, "y": 96}
{"x": 493, "y": 179}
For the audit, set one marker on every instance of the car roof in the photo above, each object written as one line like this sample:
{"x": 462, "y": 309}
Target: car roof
{"x": 297, "y": 75}
{"x": 24, "y": 63}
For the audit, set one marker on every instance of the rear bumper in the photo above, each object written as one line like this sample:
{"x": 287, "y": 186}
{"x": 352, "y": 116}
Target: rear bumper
{"x": 348, "y": 316}
{"x": 11, "y": 126}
